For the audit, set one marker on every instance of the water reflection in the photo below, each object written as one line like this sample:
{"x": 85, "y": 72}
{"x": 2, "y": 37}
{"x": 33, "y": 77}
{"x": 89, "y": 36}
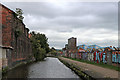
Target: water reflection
{"x": 50, "y": 68}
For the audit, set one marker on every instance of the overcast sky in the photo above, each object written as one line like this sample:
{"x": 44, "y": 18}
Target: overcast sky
{"x": 90, "y": 22}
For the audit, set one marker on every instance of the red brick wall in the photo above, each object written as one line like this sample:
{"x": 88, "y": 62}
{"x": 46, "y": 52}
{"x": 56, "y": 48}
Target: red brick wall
{"x": 21, "y": 45}
{"x": 6, "y": 26}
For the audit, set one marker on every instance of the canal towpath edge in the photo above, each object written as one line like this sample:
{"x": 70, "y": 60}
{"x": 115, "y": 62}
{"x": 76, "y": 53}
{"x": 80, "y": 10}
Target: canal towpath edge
{"x": 93, "y": 70}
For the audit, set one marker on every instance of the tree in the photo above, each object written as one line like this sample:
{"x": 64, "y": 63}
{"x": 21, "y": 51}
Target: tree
{"x": 19, "y": 13}
{"x": 39, "y": 45}
{"x": 53, "y": 52}
{"x": 53, "y": 48}
{"x": 43, "y": 41}
{"x": 40, "y": 54}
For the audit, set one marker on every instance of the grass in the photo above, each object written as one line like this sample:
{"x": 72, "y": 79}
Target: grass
{"x": 97, "y": 64}
{"x": 78, "y": 71}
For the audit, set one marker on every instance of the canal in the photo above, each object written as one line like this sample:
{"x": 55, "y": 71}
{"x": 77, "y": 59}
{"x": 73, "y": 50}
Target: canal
{"x": 49, "y": 68}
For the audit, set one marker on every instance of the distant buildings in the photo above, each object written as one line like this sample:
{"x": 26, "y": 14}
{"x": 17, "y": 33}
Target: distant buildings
{"x": 16, "y": 45}
{"x": 72, "y": 43}
{"x": 92, "y": 53}
{"x": 70, "y": 48}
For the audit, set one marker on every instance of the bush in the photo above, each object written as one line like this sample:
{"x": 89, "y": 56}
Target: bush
{"x": 39, "y": 45}
{"x": 40, "y": 55}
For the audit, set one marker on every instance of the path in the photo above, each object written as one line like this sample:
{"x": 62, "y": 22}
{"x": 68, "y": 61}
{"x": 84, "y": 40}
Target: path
{"x": 93, "y": 70}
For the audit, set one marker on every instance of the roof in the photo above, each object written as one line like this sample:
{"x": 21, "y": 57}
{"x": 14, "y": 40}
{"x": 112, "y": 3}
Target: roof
{"x": 89, "y": 46}
{"x": 81, "y": 50}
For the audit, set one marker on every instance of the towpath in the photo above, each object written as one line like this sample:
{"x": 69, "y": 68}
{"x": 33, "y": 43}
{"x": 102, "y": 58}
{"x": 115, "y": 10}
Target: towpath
{"x": 93, "y": 70}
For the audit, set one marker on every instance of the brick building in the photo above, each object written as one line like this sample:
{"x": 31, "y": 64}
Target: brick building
{"x": 72, "y": 48}
{"x": 16, "y": 46}
{"x": 72, "y": 43}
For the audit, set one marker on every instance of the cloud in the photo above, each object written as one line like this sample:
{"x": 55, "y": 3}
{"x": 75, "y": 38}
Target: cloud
{"x": 89, "y": 22}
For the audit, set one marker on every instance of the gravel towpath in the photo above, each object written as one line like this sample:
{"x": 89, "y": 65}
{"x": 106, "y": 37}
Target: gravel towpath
{"x": 93, "y": 70}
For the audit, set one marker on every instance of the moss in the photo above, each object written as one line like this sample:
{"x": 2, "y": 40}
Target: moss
{"x": 4, "y": 70}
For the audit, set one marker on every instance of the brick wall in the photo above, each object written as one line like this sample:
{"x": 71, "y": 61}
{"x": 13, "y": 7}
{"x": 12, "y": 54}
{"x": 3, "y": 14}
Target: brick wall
{"x": 21, "y": 46}
{"x": 6, "y": 26}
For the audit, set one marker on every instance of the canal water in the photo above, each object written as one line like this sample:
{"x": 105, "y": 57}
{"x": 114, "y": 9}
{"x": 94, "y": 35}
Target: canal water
{"x": 50, "y": 68}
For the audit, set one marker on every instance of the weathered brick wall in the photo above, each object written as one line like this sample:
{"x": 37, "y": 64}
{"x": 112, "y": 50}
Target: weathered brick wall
{"x": 6, "y": 26}
{"x": 21, "y": 44}
{"x": 23, "y": 50}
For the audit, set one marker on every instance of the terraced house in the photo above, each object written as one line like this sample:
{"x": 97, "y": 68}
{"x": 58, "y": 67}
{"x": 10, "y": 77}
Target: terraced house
{"x": 16, "y": 46}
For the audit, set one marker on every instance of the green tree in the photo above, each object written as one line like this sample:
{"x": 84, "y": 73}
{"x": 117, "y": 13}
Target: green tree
{"x": 40, "y": 54}
{"x": 43, "y": 41}
{"x": 53, "y": 48}
{"x": 53, "y": 51}
{"x": 39, "y": 45}
{"x": 19, "y": 13}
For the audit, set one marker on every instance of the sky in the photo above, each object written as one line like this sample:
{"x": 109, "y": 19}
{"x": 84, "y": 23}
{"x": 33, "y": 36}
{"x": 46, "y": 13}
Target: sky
{"x": 90, "y": 22}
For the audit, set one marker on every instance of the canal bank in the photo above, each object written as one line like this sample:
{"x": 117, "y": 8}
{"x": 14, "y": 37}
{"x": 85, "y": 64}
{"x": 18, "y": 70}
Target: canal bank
{"x": 77, "y": 70}
{"x": 50, "y": 68}
{"x": 92, "y": 71}
{"x": 6, "y": 69}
